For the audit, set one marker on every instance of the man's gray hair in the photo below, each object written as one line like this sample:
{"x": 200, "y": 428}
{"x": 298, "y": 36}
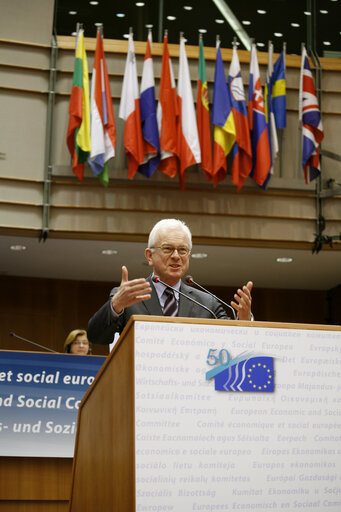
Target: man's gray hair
{"x": 165, "y": 225}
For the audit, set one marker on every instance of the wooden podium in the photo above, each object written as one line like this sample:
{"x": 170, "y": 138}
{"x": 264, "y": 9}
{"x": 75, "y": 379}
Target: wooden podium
{"x": 211, "y": 446}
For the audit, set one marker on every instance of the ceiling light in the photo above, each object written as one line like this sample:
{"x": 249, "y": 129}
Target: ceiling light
{"x": 323, "y": 11}
{"x": 219, "y": 21}
{"x": 202, "y": 30}
{"x": 109, "y": 252}
{"x": 284, "y": 260}
{"x": 261, "y": 11}
{"x": 327, "y": 43}
{"x": 149, "y": 25}
{"x": 93, "y": 2}
{"x": 199, "y": 255}
{"x": 72, "y": 13}
{"x": 73, "y": 33}
{"x": 18, "y": 247}
{"x": 260, "y": 45}
{"x": 307, "y": 13}
{"x": 171, "y": 18}
{"x": 295, "y": 24}
{"x": 188, "y": 7}
{"x": 278, "y": 34}
{"x": 98, "y": 24}
{"x": 125, "y": 36}
{"x": 139, "y": 4}
{"x": 246, "y": 22}
{"x": 120, "y": 15}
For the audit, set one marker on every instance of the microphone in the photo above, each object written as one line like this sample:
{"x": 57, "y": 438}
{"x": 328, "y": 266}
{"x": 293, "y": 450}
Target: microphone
{"x": 190, "y": 280}
{"x": 156, "y": 279}
{"x": 33, "y": 342}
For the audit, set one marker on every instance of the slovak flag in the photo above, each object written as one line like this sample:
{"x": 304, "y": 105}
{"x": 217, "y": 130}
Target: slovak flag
{"x": 188, "y": 138}
{"x": 309, "y": 114}
{"x": 241, "y": 150}
{"x": 261, "y": 156}
{"x": 150, "y": 131}
{"x": 167, "y": 114}
{"x": 130, "y": 112}
{"x": 102, "y": 128}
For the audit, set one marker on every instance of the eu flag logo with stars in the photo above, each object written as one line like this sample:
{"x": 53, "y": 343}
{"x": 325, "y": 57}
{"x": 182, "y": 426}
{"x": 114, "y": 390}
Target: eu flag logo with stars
{"x": 251, "y": 374}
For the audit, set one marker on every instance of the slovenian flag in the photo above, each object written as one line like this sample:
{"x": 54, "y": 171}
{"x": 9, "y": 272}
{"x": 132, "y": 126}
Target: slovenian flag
{"x": 103, "y": 130}
{"x": 130, "y": 112}
{"x": 188, "y": 138}
{"x": 167, "y": 114}
{"x": 224, "y": 133}
{"x": 261, "y": 158}
{"x": 150, "y": 131}
{"x": 78, "y": 132}
{"x": 309, "y": 114}
{"x": 203, "y": 115}
{"x": 241, "y": 151}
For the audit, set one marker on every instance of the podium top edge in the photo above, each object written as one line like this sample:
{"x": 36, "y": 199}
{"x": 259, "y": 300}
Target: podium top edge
{"x": 244, "y": 323}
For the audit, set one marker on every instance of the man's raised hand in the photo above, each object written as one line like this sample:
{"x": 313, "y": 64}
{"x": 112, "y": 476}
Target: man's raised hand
{"x": 130, "y": 292}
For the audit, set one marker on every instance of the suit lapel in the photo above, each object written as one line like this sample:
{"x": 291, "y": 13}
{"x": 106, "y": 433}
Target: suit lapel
{"x": 153, "y": 305}
{"x": 185, "y": 305}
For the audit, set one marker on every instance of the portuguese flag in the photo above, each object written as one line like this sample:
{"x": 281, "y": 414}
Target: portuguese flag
{"x": 203, "y": 116}
{"x": 78, "y": 133}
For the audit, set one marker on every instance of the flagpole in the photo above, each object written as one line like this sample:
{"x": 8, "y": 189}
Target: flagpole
{"x": 300, "y": 130}
{"x": 160, "y": 20}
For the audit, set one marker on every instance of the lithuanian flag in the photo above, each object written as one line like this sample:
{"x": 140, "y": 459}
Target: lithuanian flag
{"x": 78, "y": 133}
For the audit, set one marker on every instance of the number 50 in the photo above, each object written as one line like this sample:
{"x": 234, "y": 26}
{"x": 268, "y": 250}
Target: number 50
{"x": 223, "y": 357}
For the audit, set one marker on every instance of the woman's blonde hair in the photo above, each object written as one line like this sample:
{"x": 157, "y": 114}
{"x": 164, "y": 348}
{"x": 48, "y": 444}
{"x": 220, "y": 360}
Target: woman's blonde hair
{"x": 72, "y": 336}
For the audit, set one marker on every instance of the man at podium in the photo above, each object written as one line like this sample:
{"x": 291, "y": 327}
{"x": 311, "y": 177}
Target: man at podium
{"x": 163, "y": 293}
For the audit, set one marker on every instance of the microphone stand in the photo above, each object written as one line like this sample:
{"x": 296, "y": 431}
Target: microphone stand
{"x": 190, "y": 280}
{"x": 32, "y": 342}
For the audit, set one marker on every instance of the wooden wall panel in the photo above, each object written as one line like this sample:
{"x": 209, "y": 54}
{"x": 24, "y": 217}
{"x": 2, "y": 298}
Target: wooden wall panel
{"x": 35, "y": 478}
{"x": 34, "y": 506}
{"x": 46, "y": 310}
{"x": 35, "y": 484}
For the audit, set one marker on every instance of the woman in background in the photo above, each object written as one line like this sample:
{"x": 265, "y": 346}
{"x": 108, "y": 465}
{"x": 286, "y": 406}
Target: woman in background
{"x": 77, "y": 343}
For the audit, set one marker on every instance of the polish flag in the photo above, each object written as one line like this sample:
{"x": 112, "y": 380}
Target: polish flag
{"x": 130, "y": 112}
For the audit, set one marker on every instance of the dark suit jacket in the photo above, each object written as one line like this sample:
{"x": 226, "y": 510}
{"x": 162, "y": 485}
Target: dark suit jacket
{"x": 103, "y": 325}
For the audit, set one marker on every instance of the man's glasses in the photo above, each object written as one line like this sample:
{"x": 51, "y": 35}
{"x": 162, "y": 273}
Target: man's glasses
{"x": 169, "y": 249}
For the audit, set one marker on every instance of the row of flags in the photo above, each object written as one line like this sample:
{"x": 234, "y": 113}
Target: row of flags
{"x": 170, "y": 135}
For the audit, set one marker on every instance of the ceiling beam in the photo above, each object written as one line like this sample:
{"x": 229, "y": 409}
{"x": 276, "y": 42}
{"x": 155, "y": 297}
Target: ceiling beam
{"x": 233, "y": 22}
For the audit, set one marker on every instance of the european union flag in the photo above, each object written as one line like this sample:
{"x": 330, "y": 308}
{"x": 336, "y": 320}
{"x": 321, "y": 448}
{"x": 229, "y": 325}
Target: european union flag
{"x": 252, "y": 374}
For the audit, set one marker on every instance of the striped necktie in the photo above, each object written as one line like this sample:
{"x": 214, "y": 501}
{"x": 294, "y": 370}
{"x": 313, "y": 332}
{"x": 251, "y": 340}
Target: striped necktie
{"x": 170, "y": 307}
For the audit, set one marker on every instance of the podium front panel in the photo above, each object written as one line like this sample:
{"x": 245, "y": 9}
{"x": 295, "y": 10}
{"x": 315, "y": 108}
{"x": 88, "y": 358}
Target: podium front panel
{"x": 197, "y": 448}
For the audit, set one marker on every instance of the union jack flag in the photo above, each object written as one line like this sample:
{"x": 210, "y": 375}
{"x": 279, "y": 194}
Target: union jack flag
{"x": 309, "y": 114}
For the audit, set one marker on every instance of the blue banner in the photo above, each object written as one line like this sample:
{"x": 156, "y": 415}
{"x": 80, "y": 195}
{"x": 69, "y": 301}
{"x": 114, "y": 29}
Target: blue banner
{"x": 40, "y": 395}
